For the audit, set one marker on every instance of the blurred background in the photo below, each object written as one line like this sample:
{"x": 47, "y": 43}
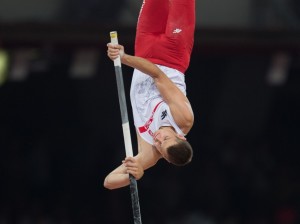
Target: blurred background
{"x": 60, "y": 124}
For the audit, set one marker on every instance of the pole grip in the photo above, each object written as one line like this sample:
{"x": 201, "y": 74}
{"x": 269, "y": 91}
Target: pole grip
{"x": 126, "y": 132}
{"x": 114, "y": 40}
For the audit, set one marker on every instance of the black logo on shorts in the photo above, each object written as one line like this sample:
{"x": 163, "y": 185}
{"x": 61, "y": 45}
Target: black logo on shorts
{"x": 164, "y": 114}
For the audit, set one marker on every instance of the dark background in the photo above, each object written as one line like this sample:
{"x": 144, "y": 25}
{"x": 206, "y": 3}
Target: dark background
{"x": 60, "y": 124}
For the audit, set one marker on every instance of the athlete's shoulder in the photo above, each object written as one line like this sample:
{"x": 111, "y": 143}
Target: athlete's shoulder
{"x": 148, "y": 155}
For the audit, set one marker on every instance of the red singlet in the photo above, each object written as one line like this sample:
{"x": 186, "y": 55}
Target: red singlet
{"x": 165, "y": 32}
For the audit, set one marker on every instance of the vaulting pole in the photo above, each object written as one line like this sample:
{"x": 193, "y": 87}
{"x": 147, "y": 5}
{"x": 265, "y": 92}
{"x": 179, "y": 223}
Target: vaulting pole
{"x": 126, "y": 132}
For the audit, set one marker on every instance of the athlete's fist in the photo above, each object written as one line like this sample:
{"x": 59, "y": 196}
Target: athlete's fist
{"x": 114, "y": 51}
{"x": 133, "y": 167}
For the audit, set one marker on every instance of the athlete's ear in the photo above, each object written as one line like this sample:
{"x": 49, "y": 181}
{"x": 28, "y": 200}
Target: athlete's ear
{"x": 181, "y": 137}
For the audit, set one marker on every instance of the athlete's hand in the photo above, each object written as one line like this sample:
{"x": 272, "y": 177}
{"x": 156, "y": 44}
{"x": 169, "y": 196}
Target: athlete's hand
{"x": 114, "y": 51}
{"x": 133, "y": 167}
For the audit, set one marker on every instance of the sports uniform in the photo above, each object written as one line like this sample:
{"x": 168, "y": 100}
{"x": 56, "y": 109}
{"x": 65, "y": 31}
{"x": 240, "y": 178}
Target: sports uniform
{"x": 165, "y": 36}
{"x": 165, "y": 32}
{"x": 150, "y": 112}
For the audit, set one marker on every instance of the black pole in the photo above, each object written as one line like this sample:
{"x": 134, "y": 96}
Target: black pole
{"x": 126, "y": 132}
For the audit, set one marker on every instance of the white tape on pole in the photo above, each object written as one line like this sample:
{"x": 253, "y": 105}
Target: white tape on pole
{"x": 126, "y": 132}
{"x": 114, "y": 40}
{"x": 127, "y": 139}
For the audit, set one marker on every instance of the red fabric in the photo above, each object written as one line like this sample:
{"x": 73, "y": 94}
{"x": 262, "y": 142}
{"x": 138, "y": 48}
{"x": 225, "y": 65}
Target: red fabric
{"x": 165, "y": 32}
{"x": 145, "y": 127}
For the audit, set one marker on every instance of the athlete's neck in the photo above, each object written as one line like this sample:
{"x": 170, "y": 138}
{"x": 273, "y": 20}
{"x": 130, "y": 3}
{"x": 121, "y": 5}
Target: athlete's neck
{"x": 167, "y": 127}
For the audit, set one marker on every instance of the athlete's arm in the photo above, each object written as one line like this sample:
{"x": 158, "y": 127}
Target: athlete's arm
{"x": 120, "y": 176}
{"x": 177, "y": 101}
{"x": 146, "y": 158}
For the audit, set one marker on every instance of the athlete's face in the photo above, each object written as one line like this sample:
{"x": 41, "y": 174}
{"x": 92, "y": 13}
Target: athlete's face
{"x": 164, "y": 138}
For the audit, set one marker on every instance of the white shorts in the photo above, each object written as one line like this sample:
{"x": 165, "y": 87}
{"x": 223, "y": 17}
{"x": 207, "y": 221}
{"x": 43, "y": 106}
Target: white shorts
{"x": 145, "y": 97}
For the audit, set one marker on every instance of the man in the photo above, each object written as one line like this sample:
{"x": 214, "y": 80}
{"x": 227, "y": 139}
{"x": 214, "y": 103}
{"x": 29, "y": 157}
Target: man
{"x": 162, "y": 113}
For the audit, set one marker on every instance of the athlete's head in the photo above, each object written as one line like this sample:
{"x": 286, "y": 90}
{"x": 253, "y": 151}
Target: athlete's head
{"x": 181, "y": 153}
{"x": 172, "y": 146}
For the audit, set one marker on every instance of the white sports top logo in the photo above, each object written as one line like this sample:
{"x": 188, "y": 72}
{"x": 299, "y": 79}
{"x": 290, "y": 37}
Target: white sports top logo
{"x": 177, "y": 30}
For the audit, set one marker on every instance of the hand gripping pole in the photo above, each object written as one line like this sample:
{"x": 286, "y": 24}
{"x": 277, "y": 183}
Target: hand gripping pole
{"x": 126, "y": 131}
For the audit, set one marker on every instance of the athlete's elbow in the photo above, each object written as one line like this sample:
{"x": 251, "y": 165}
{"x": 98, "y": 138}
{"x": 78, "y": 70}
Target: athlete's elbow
{"x": 189, "y": 121}
{"x": 107, "y": 184}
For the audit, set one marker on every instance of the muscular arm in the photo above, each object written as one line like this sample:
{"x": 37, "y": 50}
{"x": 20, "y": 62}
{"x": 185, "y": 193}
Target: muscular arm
{"x": 146, "y": 158}
{"x": 177, "y": 101}
{"x": 119, "y": 177}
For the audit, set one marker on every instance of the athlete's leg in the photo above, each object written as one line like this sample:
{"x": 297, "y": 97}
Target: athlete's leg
{"x": 181, "y": 18}
{"x": 175, "y": 45}
{"x": 153, "y": 16}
